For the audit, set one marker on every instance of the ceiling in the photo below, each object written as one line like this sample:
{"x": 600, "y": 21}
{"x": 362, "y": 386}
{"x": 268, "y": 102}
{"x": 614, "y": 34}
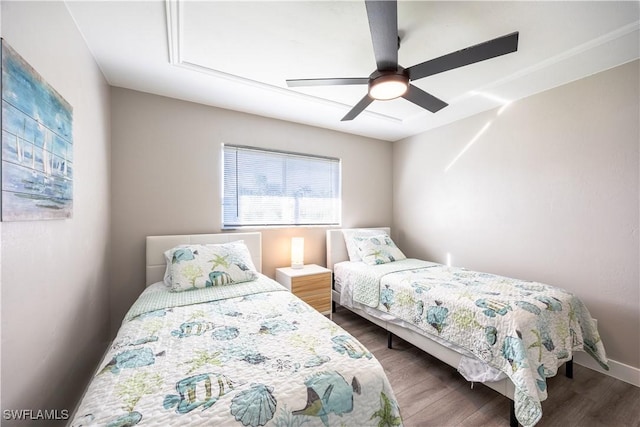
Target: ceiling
{"x": 238, "y": 54}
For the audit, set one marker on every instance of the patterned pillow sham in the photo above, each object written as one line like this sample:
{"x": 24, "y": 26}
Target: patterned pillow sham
{"x": 349, "y": 240}
{"x": 378, "y": 249}
{"x": 201, "y": 266}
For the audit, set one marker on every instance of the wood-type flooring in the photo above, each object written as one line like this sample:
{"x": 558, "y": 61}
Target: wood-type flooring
{"x": 431, "y": 393}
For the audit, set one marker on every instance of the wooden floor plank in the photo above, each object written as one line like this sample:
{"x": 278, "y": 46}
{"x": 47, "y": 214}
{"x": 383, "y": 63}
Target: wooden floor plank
{"x": 431, "y": 393}
{"x": 493, "y": 413}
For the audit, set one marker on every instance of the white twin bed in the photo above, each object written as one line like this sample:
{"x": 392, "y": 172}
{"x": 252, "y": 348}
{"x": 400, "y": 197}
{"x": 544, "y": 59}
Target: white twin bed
{"x": 508, "y": 334}
{"x": 211, "y": 341}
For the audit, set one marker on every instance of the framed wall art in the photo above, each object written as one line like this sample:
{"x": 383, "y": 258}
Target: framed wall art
{"x": 37, "y": 145}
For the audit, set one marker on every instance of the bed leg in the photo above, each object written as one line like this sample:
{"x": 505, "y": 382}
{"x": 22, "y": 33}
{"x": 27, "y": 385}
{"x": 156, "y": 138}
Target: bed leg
{"x": 568, "y": 370}
{"x": 513, "y": 421}
{"x": 389, "y": 339}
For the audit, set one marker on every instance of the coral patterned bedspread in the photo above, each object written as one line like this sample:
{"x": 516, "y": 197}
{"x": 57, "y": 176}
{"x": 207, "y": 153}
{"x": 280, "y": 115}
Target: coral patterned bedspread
{"x": 524, "y": 329}
{"x": 247, "y": 354}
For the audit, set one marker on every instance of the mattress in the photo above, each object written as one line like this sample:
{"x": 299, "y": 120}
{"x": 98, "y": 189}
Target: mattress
{"x": 525, "y": 330}
{"x": 247, "y": 354}
{"x": 347, "y": 272}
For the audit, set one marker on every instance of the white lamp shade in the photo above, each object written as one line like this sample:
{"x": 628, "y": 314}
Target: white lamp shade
{"x": 297, "y": 252}
{"x": 388, "y": 86}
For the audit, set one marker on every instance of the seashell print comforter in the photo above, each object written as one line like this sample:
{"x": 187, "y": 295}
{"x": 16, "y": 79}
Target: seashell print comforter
{"x": 524, "y": 329}
{"x": 248, "y": 354}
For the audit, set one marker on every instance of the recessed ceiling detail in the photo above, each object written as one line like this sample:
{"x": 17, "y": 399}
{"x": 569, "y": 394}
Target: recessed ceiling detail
{"x": 175, "y": 39}
{"x": 238, "y": 55}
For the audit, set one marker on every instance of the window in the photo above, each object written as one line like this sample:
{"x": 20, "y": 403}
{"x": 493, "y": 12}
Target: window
{"x": 263, "y": 187}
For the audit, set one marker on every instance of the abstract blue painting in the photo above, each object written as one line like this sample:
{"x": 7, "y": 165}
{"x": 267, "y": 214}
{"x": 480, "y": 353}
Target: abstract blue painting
{"x": 37, "y": 145}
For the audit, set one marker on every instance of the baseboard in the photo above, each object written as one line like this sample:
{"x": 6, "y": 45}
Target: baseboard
{"x": 618, "y": 370}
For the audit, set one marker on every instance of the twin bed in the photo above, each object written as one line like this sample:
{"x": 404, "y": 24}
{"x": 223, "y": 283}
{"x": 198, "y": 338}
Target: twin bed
{"x": 508, "y": 334}
{"x": 212, "y": 341}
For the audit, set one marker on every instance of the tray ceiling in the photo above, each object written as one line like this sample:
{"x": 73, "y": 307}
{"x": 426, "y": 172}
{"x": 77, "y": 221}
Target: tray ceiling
{"x": 238, "y": 54}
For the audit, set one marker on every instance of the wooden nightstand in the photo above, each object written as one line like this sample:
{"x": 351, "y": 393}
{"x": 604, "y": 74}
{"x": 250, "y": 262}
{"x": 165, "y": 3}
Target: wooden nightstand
{"x": 312, "y": 284}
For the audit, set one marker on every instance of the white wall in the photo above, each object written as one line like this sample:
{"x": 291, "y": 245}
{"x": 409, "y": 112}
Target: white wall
{"x": 55, "y": 273}
{"x": 166, "y": 179}
{"x": 549, "y": 192}
{"x": 0, "y": 265}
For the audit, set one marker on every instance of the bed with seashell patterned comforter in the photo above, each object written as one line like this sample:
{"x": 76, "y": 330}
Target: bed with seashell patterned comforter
{"x": 523, "y": 329}
{"x": 250, "y": 354}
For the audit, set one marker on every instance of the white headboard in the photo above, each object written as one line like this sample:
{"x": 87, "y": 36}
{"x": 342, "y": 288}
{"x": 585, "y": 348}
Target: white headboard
{"x": 157, "y": 245}
{"x": 337, "y": 248}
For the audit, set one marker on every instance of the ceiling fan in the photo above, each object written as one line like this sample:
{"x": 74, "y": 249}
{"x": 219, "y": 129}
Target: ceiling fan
{"x": 390, "y": 80}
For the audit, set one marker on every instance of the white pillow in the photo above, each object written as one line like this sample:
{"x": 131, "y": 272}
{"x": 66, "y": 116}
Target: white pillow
{"x": 351, "y": 234}
{"x": 378, "y": 249}
{"x": 201, "y": 266}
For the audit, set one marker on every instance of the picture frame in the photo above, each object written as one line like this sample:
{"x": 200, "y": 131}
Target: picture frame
{"x": 37, "y": 144}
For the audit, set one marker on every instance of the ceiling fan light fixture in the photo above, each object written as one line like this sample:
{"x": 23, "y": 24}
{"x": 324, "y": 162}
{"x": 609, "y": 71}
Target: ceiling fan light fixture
{"x": 388, "y": 86}
{"x": 390, "y": 80}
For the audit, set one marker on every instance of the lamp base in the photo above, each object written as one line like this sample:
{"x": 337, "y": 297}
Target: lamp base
{"x": 297, "y": 265}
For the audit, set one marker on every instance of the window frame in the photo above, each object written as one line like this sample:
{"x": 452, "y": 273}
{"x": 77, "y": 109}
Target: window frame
{"x": 336, "y": 214}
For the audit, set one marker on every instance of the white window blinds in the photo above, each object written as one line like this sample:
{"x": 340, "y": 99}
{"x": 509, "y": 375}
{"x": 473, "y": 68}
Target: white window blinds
{"x": 263, "y": 188}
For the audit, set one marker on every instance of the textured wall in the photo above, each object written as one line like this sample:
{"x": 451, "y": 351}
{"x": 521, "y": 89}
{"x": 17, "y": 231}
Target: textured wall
{"x": 547, "y": 190}
{"x": 55, "y": 273}
{"x": 166, "y": 158}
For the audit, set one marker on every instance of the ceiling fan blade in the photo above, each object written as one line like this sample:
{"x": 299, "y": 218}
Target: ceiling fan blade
{"x": 383, "y": 24}
{"x": 480, "y": 52}
{"x": 328, "y": 82}
{"x": 359, "y": 108}
{"x": 424, "y": 99}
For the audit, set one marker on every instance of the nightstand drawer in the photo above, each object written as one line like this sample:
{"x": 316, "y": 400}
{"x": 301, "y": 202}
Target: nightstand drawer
{"x": 314, "y": 290}
{"x": 312, "y": 284}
